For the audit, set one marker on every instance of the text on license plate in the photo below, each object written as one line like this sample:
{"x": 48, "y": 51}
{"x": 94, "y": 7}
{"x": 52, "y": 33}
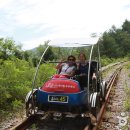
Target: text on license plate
{"x": 57, "y": 98}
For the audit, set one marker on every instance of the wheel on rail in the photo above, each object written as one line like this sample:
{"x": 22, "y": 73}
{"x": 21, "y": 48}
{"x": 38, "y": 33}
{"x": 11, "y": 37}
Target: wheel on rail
{"x": 103, "y": 91}
{"x": 95, "y": 104}
{"x": 31, "y": 104}
{"x": 94, "y": 85}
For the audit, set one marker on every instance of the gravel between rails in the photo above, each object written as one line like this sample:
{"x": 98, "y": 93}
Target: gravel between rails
{"x": 116, "y": 117}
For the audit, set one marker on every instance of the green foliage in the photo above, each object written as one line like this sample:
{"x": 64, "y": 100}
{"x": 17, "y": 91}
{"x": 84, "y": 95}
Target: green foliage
{"x": 18, "y": 107}
{"x": 16, "y": 78}
{"x": 127, "y": 104}
{"x": 15, "y": 81}
{"x": 8, "y": 49}
{"x": 127, "y": 91}
{"x": 105, "y": 61}
{"x": 126, "y": 127}
{"x": 26, "y": 55}
{"x": 126, "y": 26}
{"x": 2, "y": 115}
{"x": 45, "y": 73}
{"x": 128, "y": 66}
{"x": 4, "y": 97}
{"x": 33, "y": 127}
{"x": 116, "y": 42}
{"x": 49, "y": 55}
{"x": 19, "y": 92}
{"x": 110, "y": 46}
{"x": 17, "y": 72}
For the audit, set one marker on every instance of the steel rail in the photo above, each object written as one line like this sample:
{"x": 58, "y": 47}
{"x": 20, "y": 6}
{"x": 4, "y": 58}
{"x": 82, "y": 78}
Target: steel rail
{"x": 109, "y": 86}
{"x": 25, "y": 124}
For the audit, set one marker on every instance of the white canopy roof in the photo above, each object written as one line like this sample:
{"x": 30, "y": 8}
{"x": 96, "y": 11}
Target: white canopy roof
{"x": 77, "y": 42}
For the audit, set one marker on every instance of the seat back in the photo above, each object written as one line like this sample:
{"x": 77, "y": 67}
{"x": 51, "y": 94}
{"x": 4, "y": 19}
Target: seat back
{"x": 95, "y": 69}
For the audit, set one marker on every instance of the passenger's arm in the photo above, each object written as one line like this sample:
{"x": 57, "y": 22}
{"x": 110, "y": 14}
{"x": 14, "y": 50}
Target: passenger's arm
{"x": 73, "y": 72}
{"x": 59, "y": 66}
{"x": 94, "y": 76}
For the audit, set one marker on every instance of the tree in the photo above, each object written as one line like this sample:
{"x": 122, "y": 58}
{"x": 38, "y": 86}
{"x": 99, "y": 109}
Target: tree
{"x": 49, "y": 55}
{"x": 116, "y": 42}
{"x": 109, "y": 46}
{"x": 8, "y": 49}
{"x": 126, "y": 26}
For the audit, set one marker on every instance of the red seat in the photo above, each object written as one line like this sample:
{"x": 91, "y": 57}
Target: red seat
{"x": 60, "y": 76}
{"x": 61, "y": 86}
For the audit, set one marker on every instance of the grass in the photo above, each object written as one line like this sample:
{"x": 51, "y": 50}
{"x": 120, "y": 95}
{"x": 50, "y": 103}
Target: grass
{"x": 127, "y": 91}
{"x": 125, "y": 127}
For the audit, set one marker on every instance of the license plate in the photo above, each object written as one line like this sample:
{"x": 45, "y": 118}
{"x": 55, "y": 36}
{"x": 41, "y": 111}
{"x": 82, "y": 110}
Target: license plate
{"x": 58, "y": 98}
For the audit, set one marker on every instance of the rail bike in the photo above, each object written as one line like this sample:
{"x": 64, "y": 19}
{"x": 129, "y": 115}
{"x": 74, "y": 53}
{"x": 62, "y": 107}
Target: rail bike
{"x": 63, "y": 96}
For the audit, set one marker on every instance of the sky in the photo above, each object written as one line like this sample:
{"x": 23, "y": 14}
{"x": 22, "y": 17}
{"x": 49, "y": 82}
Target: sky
{"x": 31, "y": 22}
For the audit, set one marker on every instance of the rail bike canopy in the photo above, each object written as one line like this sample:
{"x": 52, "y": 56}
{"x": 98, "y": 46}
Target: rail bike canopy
{"x": 70, "y": 43}
{"x": 73, "y": 42}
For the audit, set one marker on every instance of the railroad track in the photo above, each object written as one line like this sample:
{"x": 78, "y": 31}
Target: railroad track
{"x": 111, "y": 83}
{"x": 25, "y": 124}
{"x": 112, "y": 80}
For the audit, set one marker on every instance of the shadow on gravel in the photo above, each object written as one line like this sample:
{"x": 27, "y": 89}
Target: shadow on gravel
{"x": 63, "y": 124}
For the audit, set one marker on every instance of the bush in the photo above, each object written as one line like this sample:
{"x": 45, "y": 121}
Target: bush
{"x": 15, "y": 81}
{"x": 45, "y": 73}
{"x": 18, "y": 107}
{"x": 106, "y": 61}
